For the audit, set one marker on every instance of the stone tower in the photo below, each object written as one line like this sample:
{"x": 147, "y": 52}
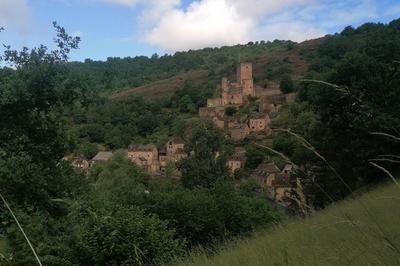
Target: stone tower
{"x": 245, "y": 78}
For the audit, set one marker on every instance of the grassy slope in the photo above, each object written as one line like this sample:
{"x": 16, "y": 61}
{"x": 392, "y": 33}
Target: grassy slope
{"x": 2, "y": 246}
{"x": 365, "y": 231}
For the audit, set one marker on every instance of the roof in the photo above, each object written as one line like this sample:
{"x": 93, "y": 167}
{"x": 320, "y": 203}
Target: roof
{"x": 288, "y": 167}
{"x": 239, "y": 155}
{"x": 180, "y": 151}
{"x": 267, "y": 168}
{"x": 240, "y": 126}
{"x": 147, "y": 147}
{"x": 177, "y": 140}
{"x": 103, "y": 156}
{"x": 258, "y": 116}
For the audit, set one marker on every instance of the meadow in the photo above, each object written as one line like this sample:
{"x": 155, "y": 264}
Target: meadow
{"x": 361, "y": 231}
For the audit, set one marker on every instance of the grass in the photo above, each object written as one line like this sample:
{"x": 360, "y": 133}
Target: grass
{"x": 364, "y": 231}
{"x": 2, "y": 246}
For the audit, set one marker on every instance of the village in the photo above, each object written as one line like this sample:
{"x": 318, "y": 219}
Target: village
{"x": 275, "y": 182}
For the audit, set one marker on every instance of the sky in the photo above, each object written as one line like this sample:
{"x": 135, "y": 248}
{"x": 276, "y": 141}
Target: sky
{"x": 120, "y": 28}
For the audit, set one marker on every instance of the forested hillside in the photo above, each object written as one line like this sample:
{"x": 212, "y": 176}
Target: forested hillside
{"x": 118, "y": 73}
{"x": 342, "y": 133}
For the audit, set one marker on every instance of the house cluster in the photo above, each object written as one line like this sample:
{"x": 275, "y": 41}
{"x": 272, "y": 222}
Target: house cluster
{"x": 146, "y": 156}
{"x": 154, "y": 160}
{"x": 236, "y": 94}
{"x": 275, "y": 182}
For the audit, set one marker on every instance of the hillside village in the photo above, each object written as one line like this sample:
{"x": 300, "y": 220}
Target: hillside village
{"x": 234, "y": 95}
{"x": 194, "y": 158}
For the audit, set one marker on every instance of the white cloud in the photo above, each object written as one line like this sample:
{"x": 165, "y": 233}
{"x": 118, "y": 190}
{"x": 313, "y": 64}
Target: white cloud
{"x": 222, "y": 22}
{"x": 210, "y": 23}
{"x": 205, "y": 23}
{"x": 130, "y": 3}
{"x": 14, "y": 14}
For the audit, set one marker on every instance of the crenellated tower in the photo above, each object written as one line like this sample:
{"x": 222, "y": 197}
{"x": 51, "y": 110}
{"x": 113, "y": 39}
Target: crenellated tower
{"x": 244, "y": 76}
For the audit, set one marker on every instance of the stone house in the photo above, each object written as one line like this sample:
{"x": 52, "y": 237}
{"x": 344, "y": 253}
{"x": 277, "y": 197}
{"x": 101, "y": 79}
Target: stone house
{"x": 154, "y": 161}
{"x": 80, "y": 163}
{"x": 259, "y": 122}
{"x": 239, "y": 131}
{"x": 288, "y": 169}
{"x": 174, "y": 144}
{"x": 282, "y": 188}
{"x": 275, "y": 183}
{"x": 266, "y": 173}
{"x": 176, "y": 149}
{"x": 237, "y": 160}
{"x": 145, "y": 156}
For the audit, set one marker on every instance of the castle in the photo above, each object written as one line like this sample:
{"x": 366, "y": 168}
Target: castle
{"x": 236, "y": 94}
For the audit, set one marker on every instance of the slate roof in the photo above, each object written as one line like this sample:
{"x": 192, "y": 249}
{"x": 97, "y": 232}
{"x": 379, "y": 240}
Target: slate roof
{"x": 258, "y": 116}
{"x": 103, "y": 156}
{"x": 267, "y": 169}
{"x": 178, "y": 140}
{"x": 147, "y": 147}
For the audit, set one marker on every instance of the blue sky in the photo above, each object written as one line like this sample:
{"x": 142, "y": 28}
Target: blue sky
{"x": 143, "y": 27}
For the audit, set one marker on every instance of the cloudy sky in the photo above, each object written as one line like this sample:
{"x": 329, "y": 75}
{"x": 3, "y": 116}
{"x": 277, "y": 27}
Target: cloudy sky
{"x": 143, "y": 27}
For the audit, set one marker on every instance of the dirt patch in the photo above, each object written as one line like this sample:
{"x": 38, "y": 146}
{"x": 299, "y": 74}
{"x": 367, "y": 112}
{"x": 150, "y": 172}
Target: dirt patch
{"x": 163, "y": 88}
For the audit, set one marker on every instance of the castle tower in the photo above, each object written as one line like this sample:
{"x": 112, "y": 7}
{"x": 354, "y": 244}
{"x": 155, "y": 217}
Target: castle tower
{"x": 224, "y": 90}
{"x": 245, "y": 78}
{"x": 244, "y": 71}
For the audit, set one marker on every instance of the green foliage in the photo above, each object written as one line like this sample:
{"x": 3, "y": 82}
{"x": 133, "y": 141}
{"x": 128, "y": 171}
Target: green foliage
{"x": 32, "y": 127}
{"x": 362, "y": 62}
{"x": 254, "y": 156}
{"x": 287, "y": 84}
{"x": 320, "y": 240}
{"x": 121, "y": 235}
{"x": 204, "y": 167}
{"x": 230, "y": 110}
{"x": 191, "y": 97}
{"x": 128, "y": 72}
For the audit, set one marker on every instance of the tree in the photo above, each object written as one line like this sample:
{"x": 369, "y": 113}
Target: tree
{"x": 286, "y": 84}
{"x": 230, "y": 111}
{"x": 32, "y": 126}
{"x": 204, "y": 166}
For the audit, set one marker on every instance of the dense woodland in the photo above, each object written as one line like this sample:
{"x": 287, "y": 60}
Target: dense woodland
{"x": 119, "y": 214}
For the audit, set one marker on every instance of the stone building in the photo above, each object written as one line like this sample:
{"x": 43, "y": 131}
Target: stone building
{"x": 259, "y": 122}
{"x": 155, "y": 161}
{"x": 237, "y": 160}
{"x": 176, "y": 149}
{"x": 235, "y": 93}
{"x": 80, "y": 163}
{"x": 239, "y": 131}
{"x": 282, "y": 188}
{"x": 266, "y": 173}
{"x": 145, "y": 156}
{"x": 276, "y": 183}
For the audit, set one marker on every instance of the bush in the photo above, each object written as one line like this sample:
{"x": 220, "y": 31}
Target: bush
{"x": 287, "y": 84}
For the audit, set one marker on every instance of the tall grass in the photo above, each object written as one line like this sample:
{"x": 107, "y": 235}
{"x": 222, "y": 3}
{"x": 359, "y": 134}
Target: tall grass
{"x": 343, "y": 234}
